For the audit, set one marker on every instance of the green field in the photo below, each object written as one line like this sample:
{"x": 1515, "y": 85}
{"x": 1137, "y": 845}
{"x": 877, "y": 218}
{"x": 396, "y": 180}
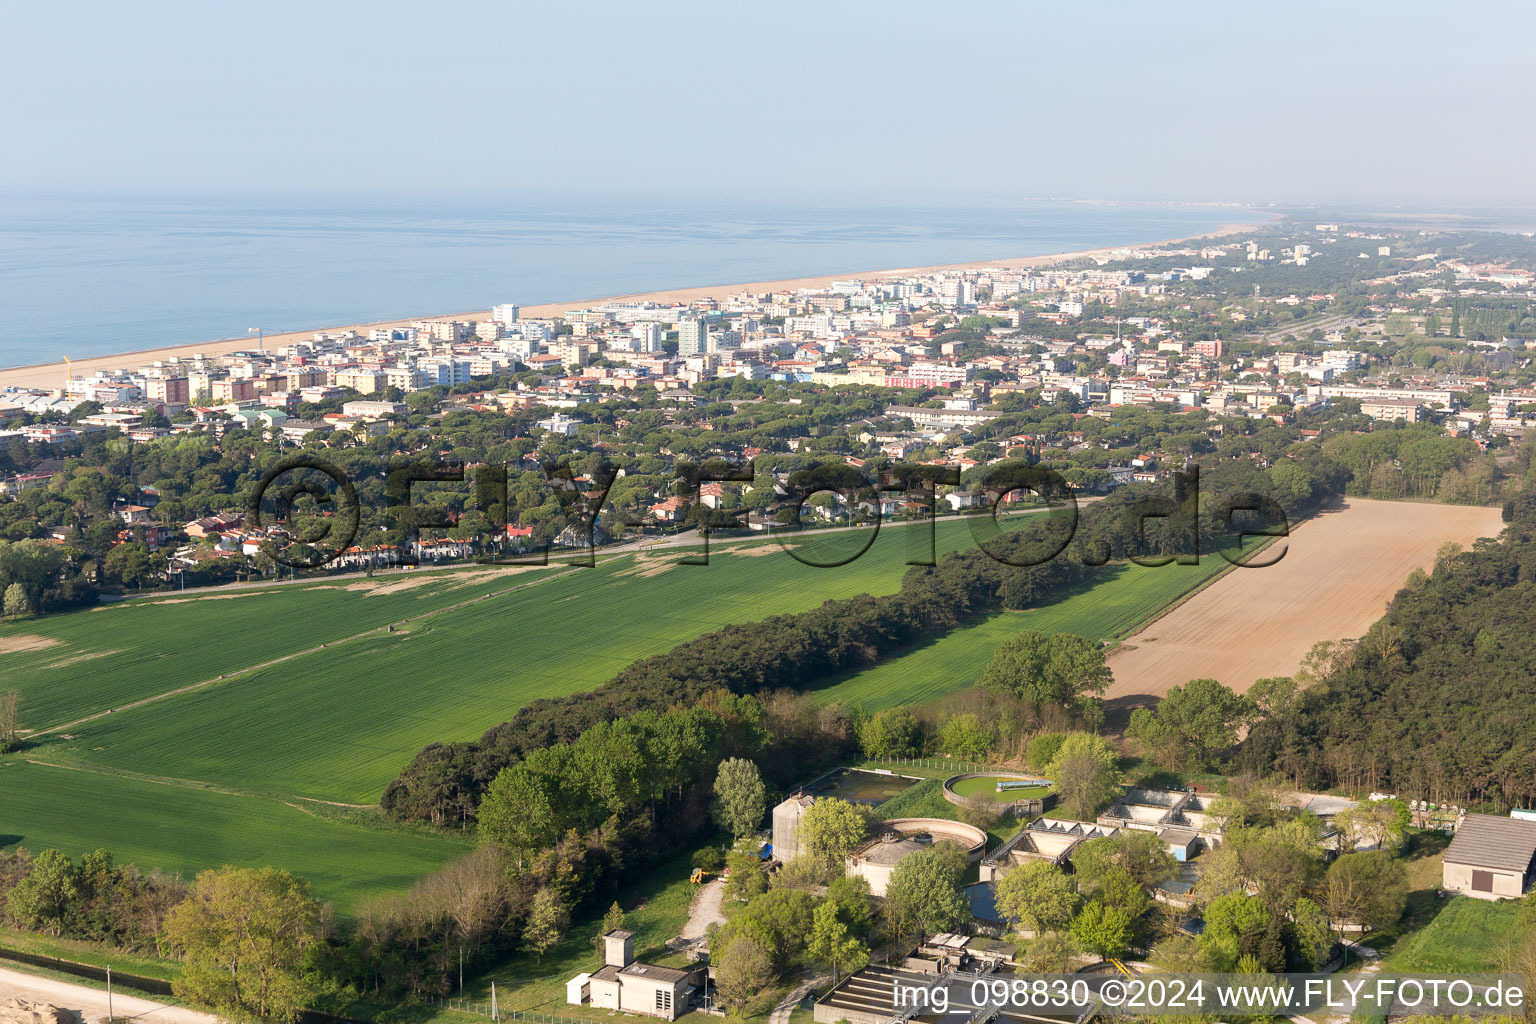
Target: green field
{"x": 77, "y": 664}
{"x": 1126, "y": 597}
{"x": 986, "y": 787}
{"x": 183, "y": 829}
{"x": 336, "y": 723}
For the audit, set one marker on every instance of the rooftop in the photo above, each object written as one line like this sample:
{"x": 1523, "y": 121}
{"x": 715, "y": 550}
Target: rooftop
{"x": 1487, "y": 841}
{"x": 651, "y": 972}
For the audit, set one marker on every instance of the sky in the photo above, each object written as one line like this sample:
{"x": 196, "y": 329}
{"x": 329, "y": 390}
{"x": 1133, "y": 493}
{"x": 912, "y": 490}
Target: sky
{"x": 1425, "y": 105}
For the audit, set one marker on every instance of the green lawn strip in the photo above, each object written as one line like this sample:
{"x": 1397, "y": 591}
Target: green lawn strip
{"x": 1463, "y": 935}
{"x": 1126, "y": 597}
{"x": 93, "y": 954}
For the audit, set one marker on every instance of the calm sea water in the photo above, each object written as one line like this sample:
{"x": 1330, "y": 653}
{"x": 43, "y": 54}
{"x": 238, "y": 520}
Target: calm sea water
{"x": 85, "y": 277}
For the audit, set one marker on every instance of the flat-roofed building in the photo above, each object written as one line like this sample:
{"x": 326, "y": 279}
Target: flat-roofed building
{"x": 1406, "y": 409}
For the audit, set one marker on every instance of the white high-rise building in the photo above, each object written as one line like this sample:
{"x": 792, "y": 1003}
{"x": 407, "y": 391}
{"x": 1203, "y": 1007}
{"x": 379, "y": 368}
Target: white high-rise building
{"x": 505, "y": 313}
{"x": 957, "y": 292}
{"x": 647, "y": 337}
{"x": 692, "y": 336}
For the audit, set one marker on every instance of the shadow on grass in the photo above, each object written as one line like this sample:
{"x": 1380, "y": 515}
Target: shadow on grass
{"x": 1424, "y": 903}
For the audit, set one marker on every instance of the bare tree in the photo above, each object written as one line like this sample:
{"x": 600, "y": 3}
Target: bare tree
{"x": 10, "y": 722}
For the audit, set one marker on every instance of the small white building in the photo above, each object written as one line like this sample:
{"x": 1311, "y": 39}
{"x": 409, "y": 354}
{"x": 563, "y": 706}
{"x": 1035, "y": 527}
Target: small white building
{"x": 629, "y": 986}
{"x": 558, "y": 424}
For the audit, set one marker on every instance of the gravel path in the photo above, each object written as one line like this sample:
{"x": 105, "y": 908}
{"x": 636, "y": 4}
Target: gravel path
{"x": 91, "y": 1004}
{"x": 705, "y": 910}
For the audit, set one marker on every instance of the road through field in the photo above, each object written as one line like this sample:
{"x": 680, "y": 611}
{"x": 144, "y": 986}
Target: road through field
{"x": 1339, "y": 572}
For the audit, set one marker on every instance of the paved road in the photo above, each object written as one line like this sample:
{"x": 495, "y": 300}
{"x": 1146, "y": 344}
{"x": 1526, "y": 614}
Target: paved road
{"x": 91, "y": 1004}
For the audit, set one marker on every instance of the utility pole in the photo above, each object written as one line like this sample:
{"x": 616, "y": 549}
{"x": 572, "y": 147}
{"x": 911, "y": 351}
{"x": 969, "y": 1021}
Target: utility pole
{"x": 109, "y": 995}
{"x": 461, "y": 970}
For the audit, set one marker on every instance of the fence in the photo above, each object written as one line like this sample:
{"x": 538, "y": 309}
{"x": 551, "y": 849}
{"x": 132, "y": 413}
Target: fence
{"x": 944, "y": 764}
{"x": 483, "y": 1009}
{"x": 153, "y": 986}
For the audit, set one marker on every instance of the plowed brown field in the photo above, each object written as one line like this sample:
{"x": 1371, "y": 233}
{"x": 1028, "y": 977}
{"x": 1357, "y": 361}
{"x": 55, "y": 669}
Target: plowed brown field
{"x": 1339, "y": 572}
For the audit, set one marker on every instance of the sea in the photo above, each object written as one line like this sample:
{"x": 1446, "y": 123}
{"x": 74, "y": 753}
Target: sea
{"x": 85, "y": 276}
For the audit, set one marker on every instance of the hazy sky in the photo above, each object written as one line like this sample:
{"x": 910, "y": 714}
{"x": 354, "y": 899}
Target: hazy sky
{"x": 932, "y": 102}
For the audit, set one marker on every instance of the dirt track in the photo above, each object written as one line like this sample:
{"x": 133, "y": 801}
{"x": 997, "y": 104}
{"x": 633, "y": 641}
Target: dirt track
{"x": 1339, "y": 572}
{"x": 91, "y": 1004}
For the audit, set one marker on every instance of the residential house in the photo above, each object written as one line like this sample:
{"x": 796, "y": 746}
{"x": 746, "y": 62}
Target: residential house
{"x": 213, "y": 524}
{"x": 669, "y": 511}
{"x": 132, "y": 514}
{"x": 959, "y": 500}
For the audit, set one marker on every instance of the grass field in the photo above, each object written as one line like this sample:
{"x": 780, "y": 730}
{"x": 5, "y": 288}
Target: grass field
{"x": 219, "y": 770}
{"x": 1466, "y": 935}
{"x": 338, "y": 723}
{"x": 986, "y": 787}
{"x": 182, "y": 829}
{"x": 1119, "y": 603}
{"x": 216, "y": 773}
{"x": 68, "y": 666}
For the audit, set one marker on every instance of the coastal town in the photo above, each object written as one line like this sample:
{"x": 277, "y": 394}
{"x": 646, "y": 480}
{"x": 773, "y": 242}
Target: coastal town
{"x": 745, "y": 825}
{"x": 601, "y": 513}
{"x": 1215, "y": 333}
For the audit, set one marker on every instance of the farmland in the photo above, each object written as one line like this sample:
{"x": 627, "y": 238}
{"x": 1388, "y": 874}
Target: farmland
{"x": 1119, "y": 603}
{"x": 183, "y": 829}
{"x": 78, "y": 664}
{"x": 239, "y": 765}
{"x": 220, "y": 771}
{"x": 1340, "y": 572}
{"x": 336, "y": 723}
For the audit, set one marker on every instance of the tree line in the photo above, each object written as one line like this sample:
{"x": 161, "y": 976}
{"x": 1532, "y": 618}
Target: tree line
{"x": 1434, "y": 701}
{"x": 443, "y": 783}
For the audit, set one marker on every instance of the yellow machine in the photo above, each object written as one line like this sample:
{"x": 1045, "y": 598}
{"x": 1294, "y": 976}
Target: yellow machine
{"x": 698, "y": 876}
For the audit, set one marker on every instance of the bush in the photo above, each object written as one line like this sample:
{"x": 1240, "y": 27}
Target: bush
{"x": 807, "y": 872}
{"x": 710, "y": 858}
{"x": 1042, "y": 749}
{"x": 981, "y": 812}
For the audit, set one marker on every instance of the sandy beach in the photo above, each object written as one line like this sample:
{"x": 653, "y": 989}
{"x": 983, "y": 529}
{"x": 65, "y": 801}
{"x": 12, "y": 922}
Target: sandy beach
{"x": 53, "y": 375}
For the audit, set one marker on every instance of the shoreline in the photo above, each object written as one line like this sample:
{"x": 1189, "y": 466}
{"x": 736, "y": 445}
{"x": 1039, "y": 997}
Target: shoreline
{"x": 52, "y": 375}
